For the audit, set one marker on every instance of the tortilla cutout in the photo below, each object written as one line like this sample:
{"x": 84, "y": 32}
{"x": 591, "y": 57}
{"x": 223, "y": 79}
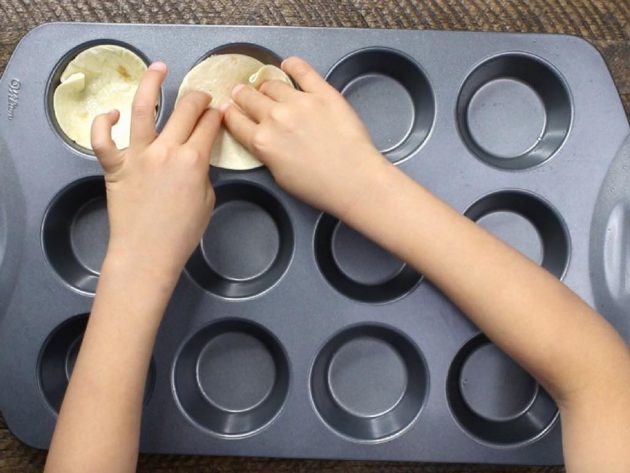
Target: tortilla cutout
{"x": 217, "y": 75}
{"x": 96, "y": 81}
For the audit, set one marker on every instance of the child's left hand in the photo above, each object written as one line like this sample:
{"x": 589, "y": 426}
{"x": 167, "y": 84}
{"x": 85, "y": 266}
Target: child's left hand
{"x": 159, "y": 197}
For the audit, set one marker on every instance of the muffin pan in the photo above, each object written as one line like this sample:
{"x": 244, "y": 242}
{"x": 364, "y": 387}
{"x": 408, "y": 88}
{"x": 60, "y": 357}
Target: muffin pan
{"x": 289, "y": 334}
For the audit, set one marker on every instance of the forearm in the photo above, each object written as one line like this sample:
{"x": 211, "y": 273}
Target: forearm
{"x": 99, "y": 422}
{"x": 525, "y": 310}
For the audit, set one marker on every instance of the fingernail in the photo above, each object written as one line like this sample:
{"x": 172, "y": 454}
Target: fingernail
{"x": 224, "y": 106}
{"x": 237, "y": 88}
{"x": 158, "y": 66}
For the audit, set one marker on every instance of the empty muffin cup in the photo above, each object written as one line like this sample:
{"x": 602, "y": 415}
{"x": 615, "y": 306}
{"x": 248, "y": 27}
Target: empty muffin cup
{"x": 358, "y": 267}
{"x": 391, "y": 94}
{"x": 528, "y": 224}
{"x": 495, "y": 400}
{"x": 231, "y": 378}
{"x": 369, "y": 383}
{"x": 247, "y": 246}
{"x": 75, "y": 233}
{"x": 514, "y": 111}
{"x": 58, "y": 356}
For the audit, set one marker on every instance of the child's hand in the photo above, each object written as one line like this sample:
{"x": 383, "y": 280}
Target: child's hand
{"x": 159, "y": 197}
{"x": 312, "y": 141}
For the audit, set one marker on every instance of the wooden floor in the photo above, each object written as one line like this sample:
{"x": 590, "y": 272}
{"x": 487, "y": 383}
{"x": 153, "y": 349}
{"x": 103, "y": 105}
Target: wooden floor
{"x": 606, "y": 24}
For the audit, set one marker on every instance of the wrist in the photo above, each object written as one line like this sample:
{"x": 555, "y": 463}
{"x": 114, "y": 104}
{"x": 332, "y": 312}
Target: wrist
{"x": 134, "y": 268}
{"x": 138, "y": 259}
{"x": 372, "y": 180}
{"x": 134, "y": 290}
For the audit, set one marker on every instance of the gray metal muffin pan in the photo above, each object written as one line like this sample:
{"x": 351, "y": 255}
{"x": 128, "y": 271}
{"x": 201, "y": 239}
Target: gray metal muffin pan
{"x": 289, "y": 334}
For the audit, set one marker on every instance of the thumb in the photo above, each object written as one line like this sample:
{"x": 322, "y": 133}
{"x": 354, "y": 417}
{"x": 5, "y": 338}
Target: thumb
{"x": 104, "y": 147}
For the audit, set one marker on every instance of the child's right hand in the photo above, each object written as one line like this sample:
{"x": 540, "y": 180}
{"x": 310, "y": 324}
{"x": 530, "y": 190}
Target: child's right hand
{"x": 312, "y": 141}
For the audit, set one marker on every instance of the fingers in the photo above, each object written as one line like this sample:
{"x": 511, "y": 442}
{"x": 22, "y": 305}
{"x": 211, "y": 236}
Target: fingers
{"x": 143, "y": 108}
{"x": 277, "y": 90}
{"x": 204, "y": 134}
{"x": 101, "y": 138}
{"x": 306, "y": 77}
{"x": 239, "y": 124}
{"x": 185, "y": 116}
{"x": 252, "y": 102}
